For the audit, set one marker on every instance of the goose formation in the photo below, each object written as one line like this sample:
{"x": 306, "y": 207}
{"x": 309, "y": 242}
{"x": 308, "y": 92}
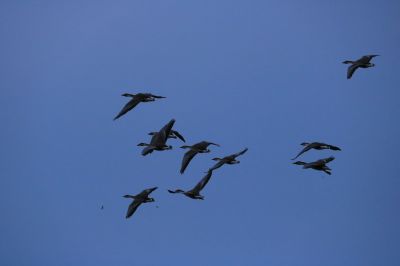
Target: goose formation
{"x": 158, "y": 142}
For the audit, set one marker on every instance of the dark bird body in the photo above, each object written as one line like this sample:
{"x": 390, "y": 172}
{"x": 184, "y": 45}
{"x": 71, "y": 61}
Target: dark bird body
{"x": 142, "y": 197}
{"x": 194, "y": 193}
{"x": 159, "y": 140}
{"x": 316, "y": 146}
{"x": 136, "y": 99}
{"x": 231, "y": 159}
{"x": 201, "y": 147}
{"x": 319, "y": 165}
{"x": 363, "y": 62}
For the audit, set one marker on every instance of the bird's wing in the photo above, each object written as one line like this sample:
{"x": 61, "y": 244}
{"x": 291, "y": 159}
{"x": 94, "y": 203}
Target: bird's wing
{"x": 156, "y": 139}
{"x": 307, "y": 148}
{"x": 203, "y": 182}
{"x": 176, "y": 133}
{"x": 331, "y": 147}
{"x": 155, "y": 96}
{"x": 217, "y": 165}
{"x": 129, "y": 106}
{"x": 329, "y": 159}
{"x": 322, "y": 162}
{"x": 365, "y": 59}
{"x": 204, "y": 144}
{"x": 165, "y": 131}
{"x": 132, "y": 207}
{"x": 147, "y": 150}
{"x": 240, "y": 153}
{"x": 186, "y": 159}
{"x": 145, "y": 193}
{"x": 351, "y": 69}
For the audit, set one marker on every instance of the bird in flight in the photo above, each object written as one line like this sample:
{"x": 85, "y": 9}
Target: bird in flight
{"x": 230, "y": 159}
{"x": 316, "y": 146}
{"x": 136, "y": 99}
{"x": 319, "y": 165}
{"x": 363, "y": 62}
{"x": 194, "y": 193}
{"x": 142, "y": 197}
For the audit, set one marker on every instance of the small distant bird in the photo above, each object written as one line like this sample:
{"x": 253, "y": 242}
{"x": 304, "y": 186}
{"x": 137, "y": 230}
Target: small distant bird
{"x": 363, "y": 62}
{"x": 159, "y": 140}
{"x": 136, "y": 99}
{"x": 194, "y": 193}
{"x": 102, "y": 207}
{"x": 316, "y": 146}
{"x": 319, "y": 165}
{"x": 201, "y": 147}
{"x": 142, "y": 197}
{"x": 172, "y": 135}
{"x": 231, "y": 159}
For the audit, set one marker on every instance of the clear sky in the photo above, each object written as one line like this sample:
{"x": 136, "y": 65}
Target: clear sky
{"x": 266, "y": 75}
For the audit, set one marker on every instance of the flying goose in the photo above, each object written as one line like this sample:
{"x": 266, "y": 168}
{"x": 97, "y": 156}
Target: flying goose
{"x": 363, "y": 62}
{"x": 319, "y": 165}
{"x": 142, "y": 197}
{"x": 316, "y": 146}
{"x": 136, "y": 99}
{"x": 159, "y": 139}
{"x": 194, "y": 193}
{"x": 230, "y": 159}
{"x": 201, "y": 147}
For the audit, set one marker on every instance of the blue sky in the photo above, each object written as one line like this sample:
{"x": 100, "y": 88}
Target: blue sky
{"x": 266, "y": 75}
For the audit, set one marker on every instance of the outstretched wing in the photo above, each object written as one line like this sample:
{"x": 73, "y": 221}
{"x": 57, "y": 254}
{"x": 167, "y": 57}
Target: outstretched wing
{"x": 132, "y": 208}
{"x": 129, "y": 106}
{"x": 240, "y": 153}
{"x": 176, "y": 133}
{"x": 307, "y": 148}
{"x": 217, "y": 165}
{"x": 186, "y": 159}
{"x": 155, "y": 96}
{"x": 145, "y": 193}
{"x": 351, "y": 69}
{"x": 203, "y": 182}
{"x": 165, "y": 131}
{"x": 329, "y": 159}
{"x": 334, "y": 148}
{"x": 147, "y": 150}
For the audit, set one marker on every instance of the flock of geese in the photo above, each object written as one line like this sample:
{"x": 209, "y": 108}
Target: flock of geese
{"x": 159, "y": 140}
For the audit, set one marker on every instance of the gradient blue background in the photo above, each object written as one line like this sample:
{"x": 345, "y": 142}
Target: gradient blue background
{"x": 266, "y": 75}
